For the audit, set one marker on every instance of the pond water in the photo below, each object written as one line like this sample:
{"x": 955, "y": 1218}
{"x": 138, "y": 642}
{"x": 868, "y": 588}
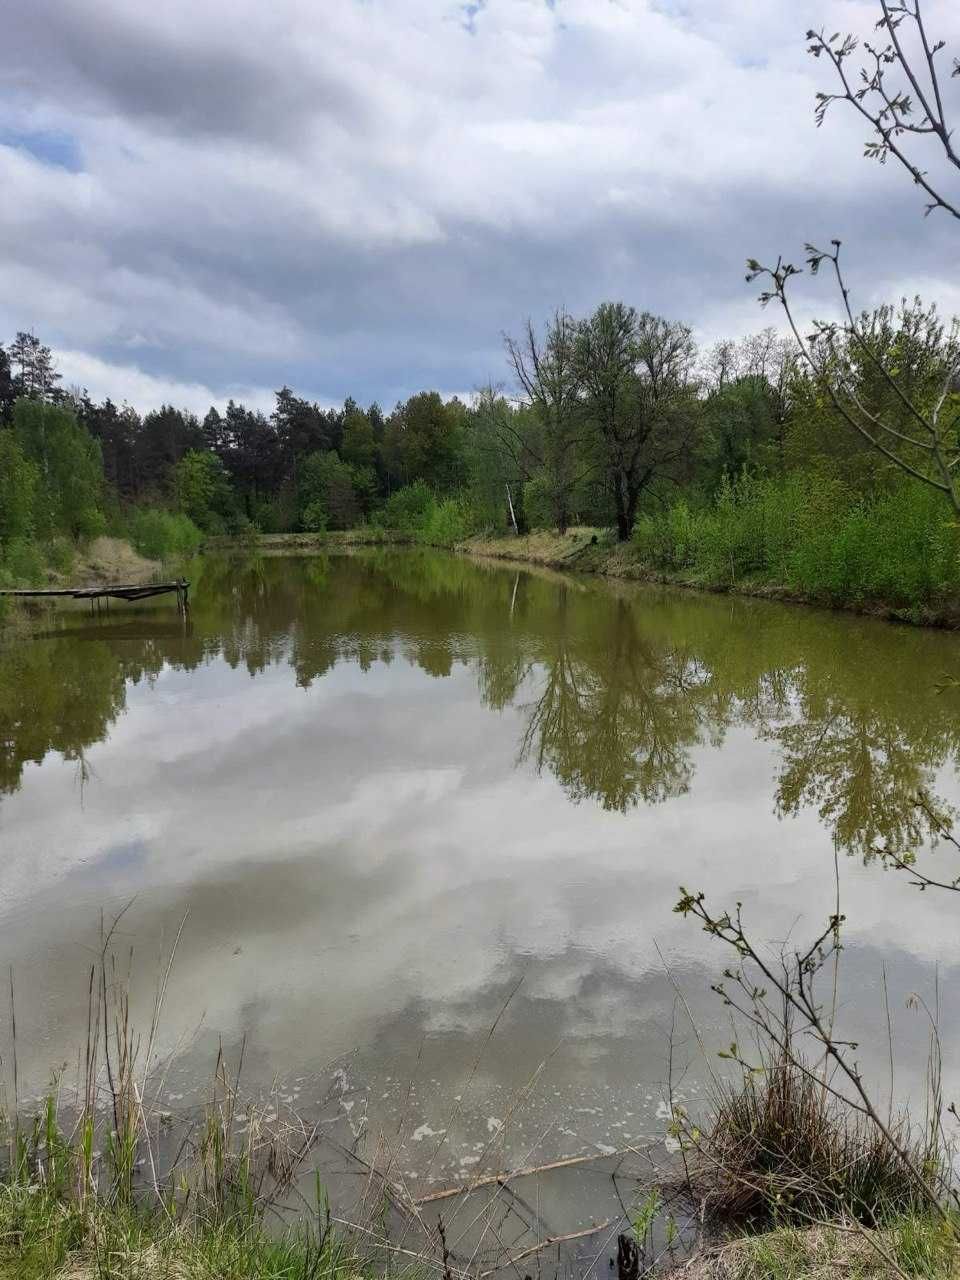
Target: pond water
{"x": 389, "y": 787}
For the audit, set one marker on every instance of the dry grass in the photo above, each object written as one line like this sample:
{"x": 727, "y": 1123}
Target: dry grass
{"x": 111, "y": 560}
{"x": 543, "y": 546}
{"x": 913, "y": 1247}
{"x": 781, "y": 1147}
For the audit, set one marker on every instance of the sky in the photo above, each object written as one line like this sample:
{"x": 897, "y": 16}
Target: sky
{"x": 360, "y": 197}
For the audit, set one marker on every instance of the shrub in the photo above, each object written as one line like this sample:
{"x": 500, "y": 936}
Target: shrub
{"x": 447, "y": 523}
{"x": 422, "y": 517}
{"x": 782, "y": 1148}
{"x": 164, "y": 535}
{"x": 406, "y": 510}
{"x": 811, "y": 532}
{"x": 24, "y": 563}
{"x": 60, "y": 555}
{"x": 314, "y": 518}
{"x": 90, "y": 523}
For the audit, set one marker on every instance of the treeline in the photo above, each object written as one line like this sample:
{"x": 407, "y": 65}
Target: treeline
{"x": 720, "y": 464}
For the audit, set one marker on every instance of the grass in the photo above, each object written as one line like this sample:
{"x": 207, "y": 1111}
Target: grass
{"x": 45, "y": 1237}
{"x": 97, "y": 1185}
{"x": 85, "y": 1203}
{"x": 813, "y": 535}
{"x": 780, "y": 1147}
{"x": 911, "y": 1246}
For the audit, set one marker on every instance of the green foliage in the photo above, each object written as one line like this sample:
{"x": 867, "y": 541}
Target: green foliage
{"x": 314, "y": 518}
{"x": 203, "y": 491}
{"x": 23, "y": 563}
{"x": 60, "y": 555}
{"x": 69, "y": 495}
{"x": 327, "y": 492}
{"x": 416, "y": 513}
{"x": 164, "y": 535}
{"x": 423, "y": 442}
{"x": 19, "y": 480}
{"x": 811, "y": 532}
{"x": 447, "y": 523}
{"x": 538, "y": 501}
{"x": 405, "y": 511}
{"x": 358, "y": 446}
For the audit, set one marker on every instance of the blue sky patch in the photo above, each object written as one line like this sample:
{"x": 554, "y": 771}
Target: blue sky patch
{"x": 50, "y": 146}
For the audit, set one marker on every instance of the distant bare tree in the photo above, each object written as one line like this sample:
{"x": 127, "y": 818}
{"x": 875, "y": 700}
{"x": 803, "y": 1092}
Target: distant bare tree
{"x": 546, "y": 372}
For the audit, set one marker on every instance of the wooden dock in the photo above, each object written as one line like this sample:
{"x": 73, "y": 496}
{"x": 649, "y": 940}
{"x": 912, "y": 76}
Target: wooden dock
{"x": 112, "y": 591}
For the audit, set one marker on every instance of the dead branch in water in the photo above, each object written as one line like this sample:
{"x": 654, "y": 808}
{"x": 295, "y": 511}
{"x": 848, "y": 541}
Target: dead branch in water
{"x": 499, "y": 1179}
{"x": 512, "y": 1259}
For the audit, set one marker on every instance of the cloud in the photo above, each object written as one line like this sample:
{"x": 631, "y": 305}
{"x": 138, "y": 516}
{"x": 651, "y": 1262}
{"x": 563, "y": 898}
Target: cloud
{"x": 126, "y": 383}
{"x": 360, "y": 198}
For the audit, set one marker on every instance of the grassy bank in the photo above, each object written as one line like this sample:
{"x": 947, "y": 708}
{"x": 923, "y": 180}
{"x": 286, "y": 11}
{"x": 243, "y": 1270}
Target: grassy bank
{"x": 594, "y": 550}
{"x": 99, "y": 1182}
{"x": 44, "y": 1236}
{"x": 103, "y": 560}
{"x": 330, "y": 540}
{"x": 911, "y": 1246}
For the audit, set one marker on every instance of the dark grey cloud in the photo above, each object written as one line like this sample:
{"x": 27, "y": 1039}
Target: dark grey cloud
{"x": 360, "y": 197}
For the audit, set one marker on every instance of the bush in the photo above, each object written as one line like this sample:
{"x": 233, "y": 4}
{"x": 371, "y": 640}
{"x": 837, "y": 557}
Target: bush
{"x": 90, "y": 523}
{"x": 60, "y": 555}
{"x": 24, "y": 563}
{"x": 812, "y": 533}
{"x": 447, "y": 523}
{"x": 406, "y": 511}
{"x": 314, "y": 518}
{"x": 417, "y": 513}
{"x": 164, "y": 535}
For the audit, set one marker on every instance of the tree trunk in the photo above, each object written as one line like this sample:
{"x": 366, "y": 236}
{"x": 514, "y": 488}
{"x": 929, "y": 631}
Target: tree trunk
{"x": 513, "y": 514}
{"x": 625, "y": 510}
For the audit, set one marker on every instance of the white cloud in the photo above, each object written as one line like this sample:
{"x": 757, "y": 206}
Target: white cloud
{"x": 360, "y": 197}
{"x": 125, "y": 383}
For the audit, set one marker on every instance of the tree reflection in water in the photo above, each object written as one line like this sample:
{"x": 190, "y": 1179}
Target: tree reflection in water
{"x": 616, "y": 688}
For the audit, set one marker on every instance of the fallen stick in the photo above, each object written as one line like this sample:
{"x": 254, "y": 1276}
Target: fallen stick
{"x": 494, "y": 1179}
{"x": 512, "y": 1259}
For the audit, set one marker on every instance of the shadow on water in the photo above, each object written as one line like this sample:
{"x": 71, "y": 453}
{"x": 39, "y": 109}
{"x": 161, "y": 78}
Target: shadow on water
{"x": 620, "y": 689}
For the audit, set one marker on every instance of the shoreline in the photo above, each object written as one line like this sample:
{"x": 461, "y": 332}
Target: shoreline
{"x": 585, "y": 551}
{"x": 104, "y": 562}
{"x": 588, "y": 551}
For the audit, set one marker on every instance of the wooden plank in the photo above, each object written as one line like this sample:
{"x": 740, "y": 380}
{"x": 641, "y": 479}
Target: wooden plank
{"x": 117, "y": 591}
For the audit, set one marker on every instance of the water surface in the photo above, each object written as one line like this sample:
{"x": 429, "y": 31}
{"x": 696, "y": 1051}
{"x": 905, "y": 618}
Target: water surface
{"x": 389, "y": 787}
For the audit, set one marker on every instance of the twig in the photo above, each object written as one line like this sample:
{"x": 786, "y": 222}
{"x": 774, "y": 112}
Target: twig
{"x": 546, "y": 1244}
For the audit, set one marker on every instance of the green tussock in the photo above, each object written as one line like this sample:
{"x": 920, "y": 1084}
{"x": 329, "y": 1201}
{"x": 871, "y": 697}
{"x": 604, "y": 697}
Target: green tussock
{"x": 779, "y": 1147}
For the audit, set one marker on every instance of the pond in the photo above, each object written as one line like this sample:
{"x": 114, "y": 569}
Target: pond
{"x": 404, "y": 798}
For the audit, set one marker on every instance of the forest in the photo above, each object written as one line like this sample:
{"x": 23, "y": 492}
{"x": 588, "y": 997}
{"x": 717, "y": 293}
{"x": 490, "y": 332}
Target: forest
{"x": 736, "y": 463}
